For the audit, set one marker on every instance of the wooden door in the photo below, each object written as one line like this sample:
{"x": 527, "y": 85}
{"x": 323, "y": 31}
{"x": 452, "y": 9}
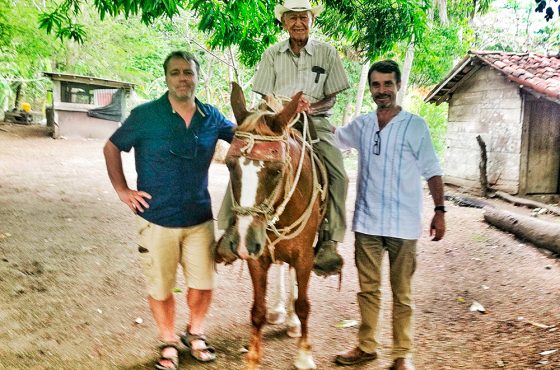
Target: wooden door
{"x": 543, "y": 155}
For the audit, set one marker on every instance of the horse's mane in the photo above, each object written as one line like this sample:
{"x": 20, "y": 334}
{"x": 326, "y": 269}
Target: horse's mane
{"x": 256, "y": 122}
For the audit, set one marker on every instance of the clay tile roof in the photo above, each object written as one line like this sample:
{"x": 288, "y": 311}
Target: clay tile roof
{"x": 538, "y": 73}
{"x": 540, "y": 78}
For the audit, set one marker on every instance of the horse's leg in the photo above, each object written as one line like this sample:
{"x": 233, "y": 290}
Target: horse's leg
{"x": 294, "y": 325}
{"x": 304, "y": 357}
{"x": 277, "y": 310}
{"x": 258, "y": 270}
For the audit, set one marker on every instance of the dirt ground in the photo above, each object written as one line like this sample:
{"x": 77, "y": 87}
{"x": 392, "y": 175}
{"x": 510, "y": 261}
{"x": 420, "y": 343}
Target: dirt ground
{"x": 71, "y": 290}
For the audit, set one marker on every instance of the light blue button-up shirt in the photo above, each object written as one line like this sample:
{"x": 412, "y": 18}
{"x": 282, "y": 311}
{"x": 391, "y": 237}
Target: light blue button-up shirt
{"x": 389, "y": 194}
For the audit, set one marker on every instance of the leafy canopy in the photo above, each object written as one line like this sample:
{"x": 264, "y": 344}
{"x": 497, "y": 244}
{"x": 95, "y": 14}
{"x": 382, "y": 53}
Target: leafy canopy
{"x": 547, "y": 8}
{"x": 370, "y": 27}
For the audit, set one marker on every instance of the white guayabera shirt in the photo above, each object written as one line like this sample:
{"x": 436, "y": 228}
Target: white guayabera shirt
{"x": 391, "y": 164}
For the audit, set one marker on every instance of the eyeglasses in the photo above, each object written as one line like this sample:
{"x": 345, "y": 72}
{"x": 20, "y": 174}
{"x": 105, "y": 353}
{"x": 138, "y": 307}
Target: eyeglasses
{"x": 377, "y": 143}
{"x": 184, "y": 145}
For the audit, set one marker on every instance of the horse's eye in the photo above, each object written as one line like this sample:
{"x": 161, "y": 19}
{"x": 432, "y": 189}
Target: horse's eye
{"x": 275, "y": 171}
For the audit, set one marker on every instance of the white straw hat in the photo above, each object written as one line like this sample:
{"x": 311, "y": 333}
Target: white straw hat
{"x": 296, "y": 6}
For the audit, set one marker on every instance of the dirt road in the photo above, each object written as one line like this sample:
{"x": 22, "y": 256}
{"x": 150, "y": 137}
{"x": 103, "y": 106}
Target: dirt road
{"x": 71, "y": 290}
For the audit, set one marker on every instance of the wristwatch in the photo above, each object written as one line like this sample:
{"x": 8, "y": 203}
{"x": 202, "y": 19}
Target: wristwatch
{"x": 440, "y": 208}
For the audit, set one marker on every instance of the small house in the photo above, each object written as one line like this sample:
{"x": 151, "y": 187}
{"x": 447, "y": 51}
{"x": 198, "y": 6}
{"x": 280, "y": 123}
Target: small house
{"x": 512, "y": 100}
{"x": 85, "y": 106}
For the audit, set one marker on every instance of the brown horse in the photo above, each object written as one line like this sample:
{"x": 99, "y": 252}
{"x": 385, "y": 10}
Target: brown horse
{"x": 276, "y": 202}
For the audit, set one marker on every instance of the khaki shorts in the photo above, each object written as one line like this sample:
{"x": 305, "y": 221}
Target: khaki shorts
{"x": 161, "y": 249}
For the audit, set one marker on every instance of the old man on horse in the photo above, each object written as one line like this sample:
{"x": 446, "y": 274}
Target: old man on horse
{"x": 301, "y": 63}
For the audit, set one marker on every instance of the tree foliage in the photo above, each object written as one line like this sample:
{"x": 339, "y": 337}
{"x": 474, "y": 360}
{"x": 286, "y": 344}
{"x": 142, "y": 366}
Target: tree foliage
{"x": 370, "y": 27}
{"x": 250, "y": 25}
{"x": 373, "y": 28}
{"x": 23, "y": 51}
{"x": 436, "y": 57}
{"x": 547, "y": 7}
{"x": 519, "y": 27}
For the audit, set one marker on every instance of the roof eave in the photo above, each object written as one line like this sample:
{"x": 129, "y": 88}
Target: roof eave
{"x": 458, "y": 68}
{"x": 88, "y": 80}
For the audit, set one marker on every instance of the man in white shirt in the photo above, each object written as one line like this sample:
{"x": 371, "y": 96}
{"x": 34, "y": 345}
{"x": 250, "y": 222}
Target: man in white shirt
{"x": 395, "y": 151}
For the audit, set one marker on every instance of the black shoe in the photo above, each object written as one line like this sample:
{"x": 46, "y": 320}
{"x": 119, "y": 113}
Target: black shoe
{"x": 327, "y": 260}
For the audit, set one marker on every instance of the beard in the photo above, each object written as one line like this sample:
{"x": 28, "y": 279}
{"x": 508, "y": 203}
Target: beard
{"x": 389, "y": 103}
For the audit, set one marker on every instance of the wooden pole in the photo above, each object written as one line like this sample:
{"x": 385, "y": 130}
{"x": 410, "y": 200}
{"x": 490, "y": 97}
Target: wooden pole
{"x": 482, "y": 166}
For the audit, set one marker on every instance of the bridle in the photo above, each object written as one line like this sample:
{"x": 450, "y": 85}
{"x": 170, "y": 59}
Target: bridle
{"x": 276, "y": 148}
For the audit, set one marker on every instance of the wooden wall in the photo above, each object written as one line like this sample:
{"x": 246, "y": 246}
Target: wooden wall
{"x": 73, "y": 124}
{"x": 489, "y": 105}
{"x": 540, "y": 160}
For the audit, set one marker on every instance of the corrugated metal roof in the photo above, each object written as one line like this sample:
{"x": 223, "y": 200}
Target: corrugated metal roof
{"x": 89, "y": 80}
{"x": 539, "y": 74}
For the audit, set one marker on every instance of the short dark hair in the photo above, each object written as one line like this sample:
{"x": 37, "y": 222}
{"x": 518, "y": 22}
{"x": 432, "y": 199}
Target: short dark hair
{"x": 181, "y": 55}
{"x": 385, "y": 66}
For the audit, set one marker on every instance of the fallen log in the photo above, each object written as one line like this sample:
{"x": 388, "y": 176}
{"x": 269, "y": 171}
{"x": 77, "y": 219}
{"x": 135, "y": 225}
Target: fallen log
{"x": 464, "y": 201}
{"x": 527, "y": 202}
{"x": 541, "y": 233}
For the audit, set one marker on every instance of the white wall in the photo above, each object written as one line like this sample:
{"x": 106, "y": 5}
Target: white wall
{"x": 489, "y": 105}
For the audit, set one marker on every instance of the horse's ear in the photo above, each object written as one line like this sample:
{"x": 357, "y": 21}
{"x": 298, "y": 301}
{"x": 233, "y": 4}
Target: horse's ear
{"x": 238, "y": 103}
{"x": 283, "y": 118}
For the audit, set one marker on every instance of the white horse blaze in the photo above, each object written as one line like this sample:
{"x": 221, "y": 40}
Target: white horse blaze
{"x": 249, "y": 186}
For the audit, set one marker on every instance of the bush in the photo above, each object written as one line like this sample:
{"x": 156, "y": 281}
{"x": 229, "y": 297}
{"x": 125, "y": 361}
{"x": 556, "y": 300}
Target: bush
{"x": 435, "y": 116}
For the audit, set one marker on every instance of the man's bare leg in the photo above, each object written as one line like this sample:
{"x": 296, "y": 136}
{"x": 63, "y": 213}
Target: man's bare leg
{"x": 164, "y": 316}
{"x": 199, "y": 303}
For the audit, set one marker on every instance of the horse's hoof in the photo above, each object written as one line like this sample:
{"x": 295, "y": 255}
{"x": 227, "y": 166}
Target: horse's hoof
{"x": 304, "y": 361}
{"x": 276, "y": 318}
{"x": 294, "y": 331}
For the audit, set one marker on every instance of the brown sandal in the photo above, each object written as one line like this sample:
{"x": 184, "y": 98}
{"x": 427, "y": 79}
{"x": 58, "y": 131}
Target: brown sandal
{"x": 173, "y": 359}
{"x": 204, "y": 354}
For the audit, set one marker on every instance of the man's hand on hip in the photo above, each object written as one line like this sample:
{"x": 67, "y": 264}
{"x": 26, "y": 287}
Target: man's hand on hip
{"x": 135, "y": 200}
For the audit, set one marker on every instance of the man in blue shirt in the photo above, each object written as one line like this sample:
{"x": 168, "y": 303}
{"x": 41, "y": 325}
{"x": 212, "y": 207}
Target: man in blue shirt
{"x": 395, "y": 151}
{"x": 174, "y": 138}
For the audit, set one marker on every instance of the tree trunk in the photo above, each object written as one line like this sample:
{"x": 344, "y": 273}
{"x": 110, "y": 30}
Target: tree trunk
{"x": 18, "y": 95}
{"x": 482, "y": 167}
{"x": 442, "y": 7}
{"x": 234, "y": 68}
{"x": 407, "y": 66}
{"x": 541, "y": 233}
{"x": 347, "y": 116}
{"x": 207, "y": 78}
{"x": 361, "y": 89}
{"x": 431, "y": 12}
